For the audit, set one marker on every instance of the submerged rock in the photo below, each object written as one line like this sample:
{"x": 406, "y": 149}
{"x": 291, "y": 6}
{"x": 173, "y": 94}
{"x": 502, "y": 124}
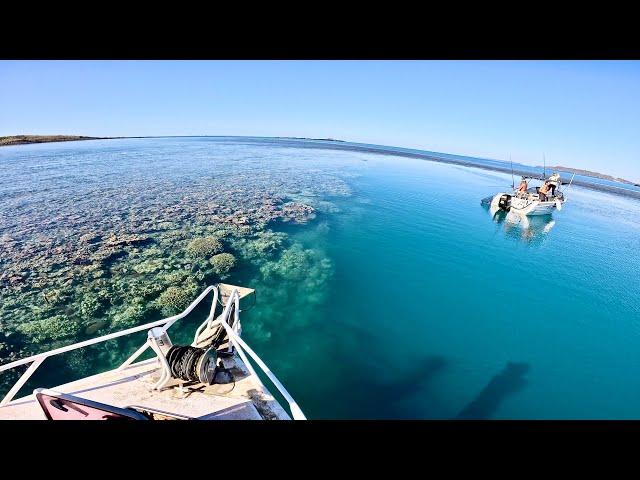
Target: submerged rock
{"x": 94, "y": 325}
{"x": 90, "y": 238}
{"x": 124, "y": 240}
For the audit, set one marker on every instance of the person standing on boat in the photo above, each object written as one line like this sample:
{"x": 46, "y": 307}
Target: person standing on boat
{"x": 523, "y": 185}
{"x": 544, "y": 189}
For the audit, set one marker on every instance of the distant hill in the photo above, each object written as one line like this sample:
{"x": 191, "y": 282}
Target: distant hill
{"x": 589, "y": 173}
{"x": 24, "y": 139}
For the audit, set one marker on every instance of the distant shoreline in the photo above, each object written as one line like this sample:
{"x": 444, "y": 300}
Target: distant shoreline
{"x": 353, "y": 146}
{"x": 382, "y": 150}
{"x": 589, "y": 173}
{"x": 30, "y": 139}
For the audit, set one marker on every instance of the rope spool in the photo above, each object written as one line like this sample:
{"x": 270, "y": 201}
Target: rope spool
{"x": 192, "y": 364}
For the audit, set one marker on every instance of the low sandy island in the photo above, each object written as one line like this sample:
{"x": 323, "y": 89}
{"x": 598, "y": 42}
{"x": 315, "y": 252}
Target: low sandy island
{"x": 25, "y": 139}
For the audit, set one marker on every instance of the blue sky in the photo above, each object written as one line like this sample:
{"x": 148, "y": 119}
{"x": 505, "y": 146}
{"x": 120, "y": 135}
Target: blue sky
{"x": 580, "y": 114}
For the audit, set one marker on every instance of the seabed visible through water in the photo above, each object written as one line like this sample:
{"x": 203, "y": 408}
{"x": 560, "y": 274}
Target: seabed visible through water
{"x": 384, "y": 289}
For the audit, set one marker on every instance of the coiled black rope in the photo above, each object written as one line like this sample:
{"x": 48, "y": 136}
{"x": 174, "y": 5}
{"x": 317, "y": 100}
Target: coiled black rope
{"x": 187, "y": 363}
{"x": 219, "y": 335}
{"x": 183, "y": 362}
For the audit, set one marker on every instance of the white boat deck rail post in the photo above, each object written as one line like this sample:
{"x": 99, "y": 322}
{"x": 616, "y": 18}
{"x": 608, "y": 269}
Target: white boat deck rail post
{"x": 242, "y": 348}
{"x": 35, "y": 361}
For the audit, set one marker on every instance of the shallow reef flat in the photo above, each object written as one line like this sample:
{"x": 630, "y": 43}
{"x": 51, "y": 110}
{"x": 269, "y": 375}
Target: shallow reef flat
{"x": 92, "y": 253}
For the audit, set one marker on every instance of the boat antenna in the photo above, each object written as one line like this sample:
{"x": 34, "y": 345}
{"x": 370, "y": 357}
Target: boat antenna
{"x": 544, "y": 165}
{"x": 513, "y": 183}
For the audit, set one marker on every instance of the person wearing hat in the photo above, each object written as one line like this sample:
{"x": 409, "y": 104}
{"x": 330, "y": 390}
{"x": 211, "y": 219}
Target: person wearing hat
{"x": 523, "y": 185}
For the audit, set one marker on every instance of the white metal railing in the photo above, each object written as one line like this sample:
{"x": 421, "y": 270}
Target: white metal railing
{"x": 242, "y": 348}
{"x": 36, "y": 360}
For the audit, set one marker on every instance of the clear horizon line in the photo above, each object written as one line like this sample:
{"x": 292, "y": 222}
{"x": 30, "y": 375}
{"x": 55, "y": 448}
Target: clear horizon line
{"x": 323, "y": 139}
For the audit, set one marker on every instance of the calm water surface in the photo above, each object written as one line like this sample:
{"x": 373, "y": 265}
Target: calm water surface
{"x": 414, "y": 302}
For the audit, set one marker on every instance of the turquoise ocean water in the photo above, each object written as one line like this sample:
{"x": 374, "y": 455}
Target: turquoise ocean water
{"x": 416, "y": 303}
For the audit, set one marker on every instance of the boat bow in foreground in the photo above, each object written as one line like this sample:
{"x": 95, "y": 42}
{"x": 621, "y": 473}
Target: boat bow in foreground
{"x": 211, "y": 379}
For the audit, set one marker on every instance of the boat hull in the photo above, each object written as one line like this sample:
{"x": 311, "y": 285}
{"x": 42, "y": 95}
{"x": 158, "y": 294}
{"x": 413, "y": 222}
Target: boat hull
{"x": 532, "y": 208}
{"x": 536, "y": 209}
{"x": 523, "y": 206}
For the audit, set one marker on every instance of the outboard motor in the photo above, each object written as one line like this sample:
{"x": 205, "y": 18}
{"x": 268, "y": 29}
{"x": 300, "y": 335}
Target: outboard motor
{"x": 500, "y": 202}
{"x": 504, "y": 202}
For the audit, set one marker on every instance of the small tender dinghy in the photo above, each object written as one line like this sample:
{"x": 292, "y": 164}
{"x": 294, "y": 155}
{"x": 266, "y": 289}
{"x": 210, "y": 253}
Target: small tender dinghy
{"x": 531, "y": 201}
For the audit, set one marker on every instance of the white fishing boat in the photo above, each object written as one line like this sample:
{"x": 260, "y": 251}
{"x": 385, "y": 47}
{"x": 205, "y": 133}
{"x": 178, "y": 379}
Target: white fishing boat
{"x": 530, "y": 201}
{"x": 213, "y": 378}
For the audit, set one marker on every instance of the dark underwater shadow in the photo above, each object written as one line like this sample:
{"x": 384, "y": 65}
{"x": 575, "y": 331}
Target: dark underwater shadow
{"x": 510, "y": 380}
{"x": 381, "y": 398}
{"x": 376, "y": 381}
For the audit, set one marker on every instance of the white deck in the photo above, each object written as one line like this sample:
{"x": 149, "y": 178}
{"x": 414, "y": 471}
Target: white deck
{"x": 246, "y": 400}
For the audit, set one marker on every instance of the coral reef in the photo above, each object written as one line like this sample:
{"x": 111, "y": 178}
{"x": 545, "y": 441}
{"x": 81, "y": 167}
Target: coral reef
{"x": 175, "y": 299}
{"x": 52, "y": 328}
{"x": 9, "y": 352}
{"x": 222, "y": 263}
{"x": 132, "y": 315}
{"x": 70, "y": 270}
{"x": 299, "y": 279}
{"x": 261, "y": 245}
{"x": 149, "y": 266}
{"x": 294, "y": 264}
{"x": 90, "y": 306}
{"x": 297, "y": 212}
{"x": 204, "y": 247}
